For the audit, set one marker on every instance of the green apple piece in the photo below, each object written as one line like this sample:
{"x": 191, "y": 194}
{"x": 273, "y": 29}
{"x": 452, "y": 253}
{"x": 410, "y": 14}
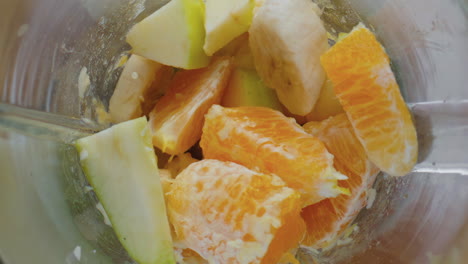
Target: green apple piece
{"x": 141, "y": 83}
{"x": 224, "y": 21}
{"x": 247, "y": 89}
{"x": 121, "y": 166}
{"x": 173, "y": 35}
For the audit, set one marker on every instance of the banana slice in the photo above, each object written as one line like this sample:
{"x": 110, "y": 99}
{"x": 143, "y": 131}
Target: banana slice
{"x": 287, "y": 39}
{"x": 141, "y": 83}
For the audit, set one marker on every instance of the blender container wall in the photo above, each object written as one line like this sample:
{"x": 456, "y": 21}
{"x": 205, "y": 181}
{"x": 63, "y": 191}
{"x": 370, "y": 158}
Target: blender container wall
{"x": 48, "y": 216}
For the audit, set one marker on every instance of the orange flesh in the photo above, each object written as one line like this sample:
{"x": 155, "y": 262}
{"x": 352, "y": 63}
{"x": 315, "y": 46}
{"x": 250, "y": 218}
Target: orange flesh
{"x": 265, "y": 140}
{"x": 366, "y": 87}
{"x": 286, "y": 238}
{"x": 214, "y": 204}
{"x": 177, "y": 119}
{"x": 329, "y": 217}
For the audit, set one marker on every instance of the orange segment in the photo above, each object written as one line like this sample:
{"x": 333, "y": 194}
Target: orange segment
{"x": 265, "y": 140}
{"x": 177, "y": 119}
{"x": 366, "y": 87}
{"x": 230, "y": 214}
{"x": 182, "y": 254}
{"x": 328, "y": 218}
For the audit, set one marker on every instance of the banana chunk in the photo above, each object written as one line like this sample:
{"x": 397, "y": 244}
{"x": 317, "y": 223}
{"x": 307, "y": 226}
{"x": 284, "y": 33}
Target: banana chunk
{"x": 287, "y": 39}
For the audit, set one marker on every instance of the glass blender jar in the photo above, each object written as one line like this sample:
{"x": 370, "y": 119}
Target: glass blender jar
{"x": 47, "y": 216}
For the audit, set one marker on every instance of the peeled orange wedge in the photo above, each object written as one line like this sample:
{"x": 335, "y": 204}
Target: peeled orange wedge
{"x": 177, "y": 119}
{"x": 229, "y": 214}
{"x": 265, "y": 140}
{"x": 365, "y": 85}
{"x": 328, "y": 218}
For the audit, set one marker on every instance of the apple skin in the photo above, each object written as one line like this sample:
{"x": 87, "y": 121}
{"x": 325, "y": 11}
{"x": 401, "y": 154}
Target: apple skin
{"x": 121, "y": 166}
{"x": 173, "y": 35}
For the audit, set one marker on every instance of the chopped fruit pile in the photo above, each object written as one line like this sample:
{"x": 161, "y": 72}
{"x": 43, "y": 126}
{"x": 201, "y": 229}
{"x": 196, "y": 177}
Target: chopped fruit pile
{"x": 261, "y": 184}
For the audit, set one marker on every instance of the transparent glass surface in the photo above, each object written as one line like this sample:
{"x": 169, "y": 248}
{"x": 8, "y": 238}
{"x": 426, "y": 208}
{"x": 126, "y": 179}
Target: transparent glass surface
{"x": 46, "y": 212}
